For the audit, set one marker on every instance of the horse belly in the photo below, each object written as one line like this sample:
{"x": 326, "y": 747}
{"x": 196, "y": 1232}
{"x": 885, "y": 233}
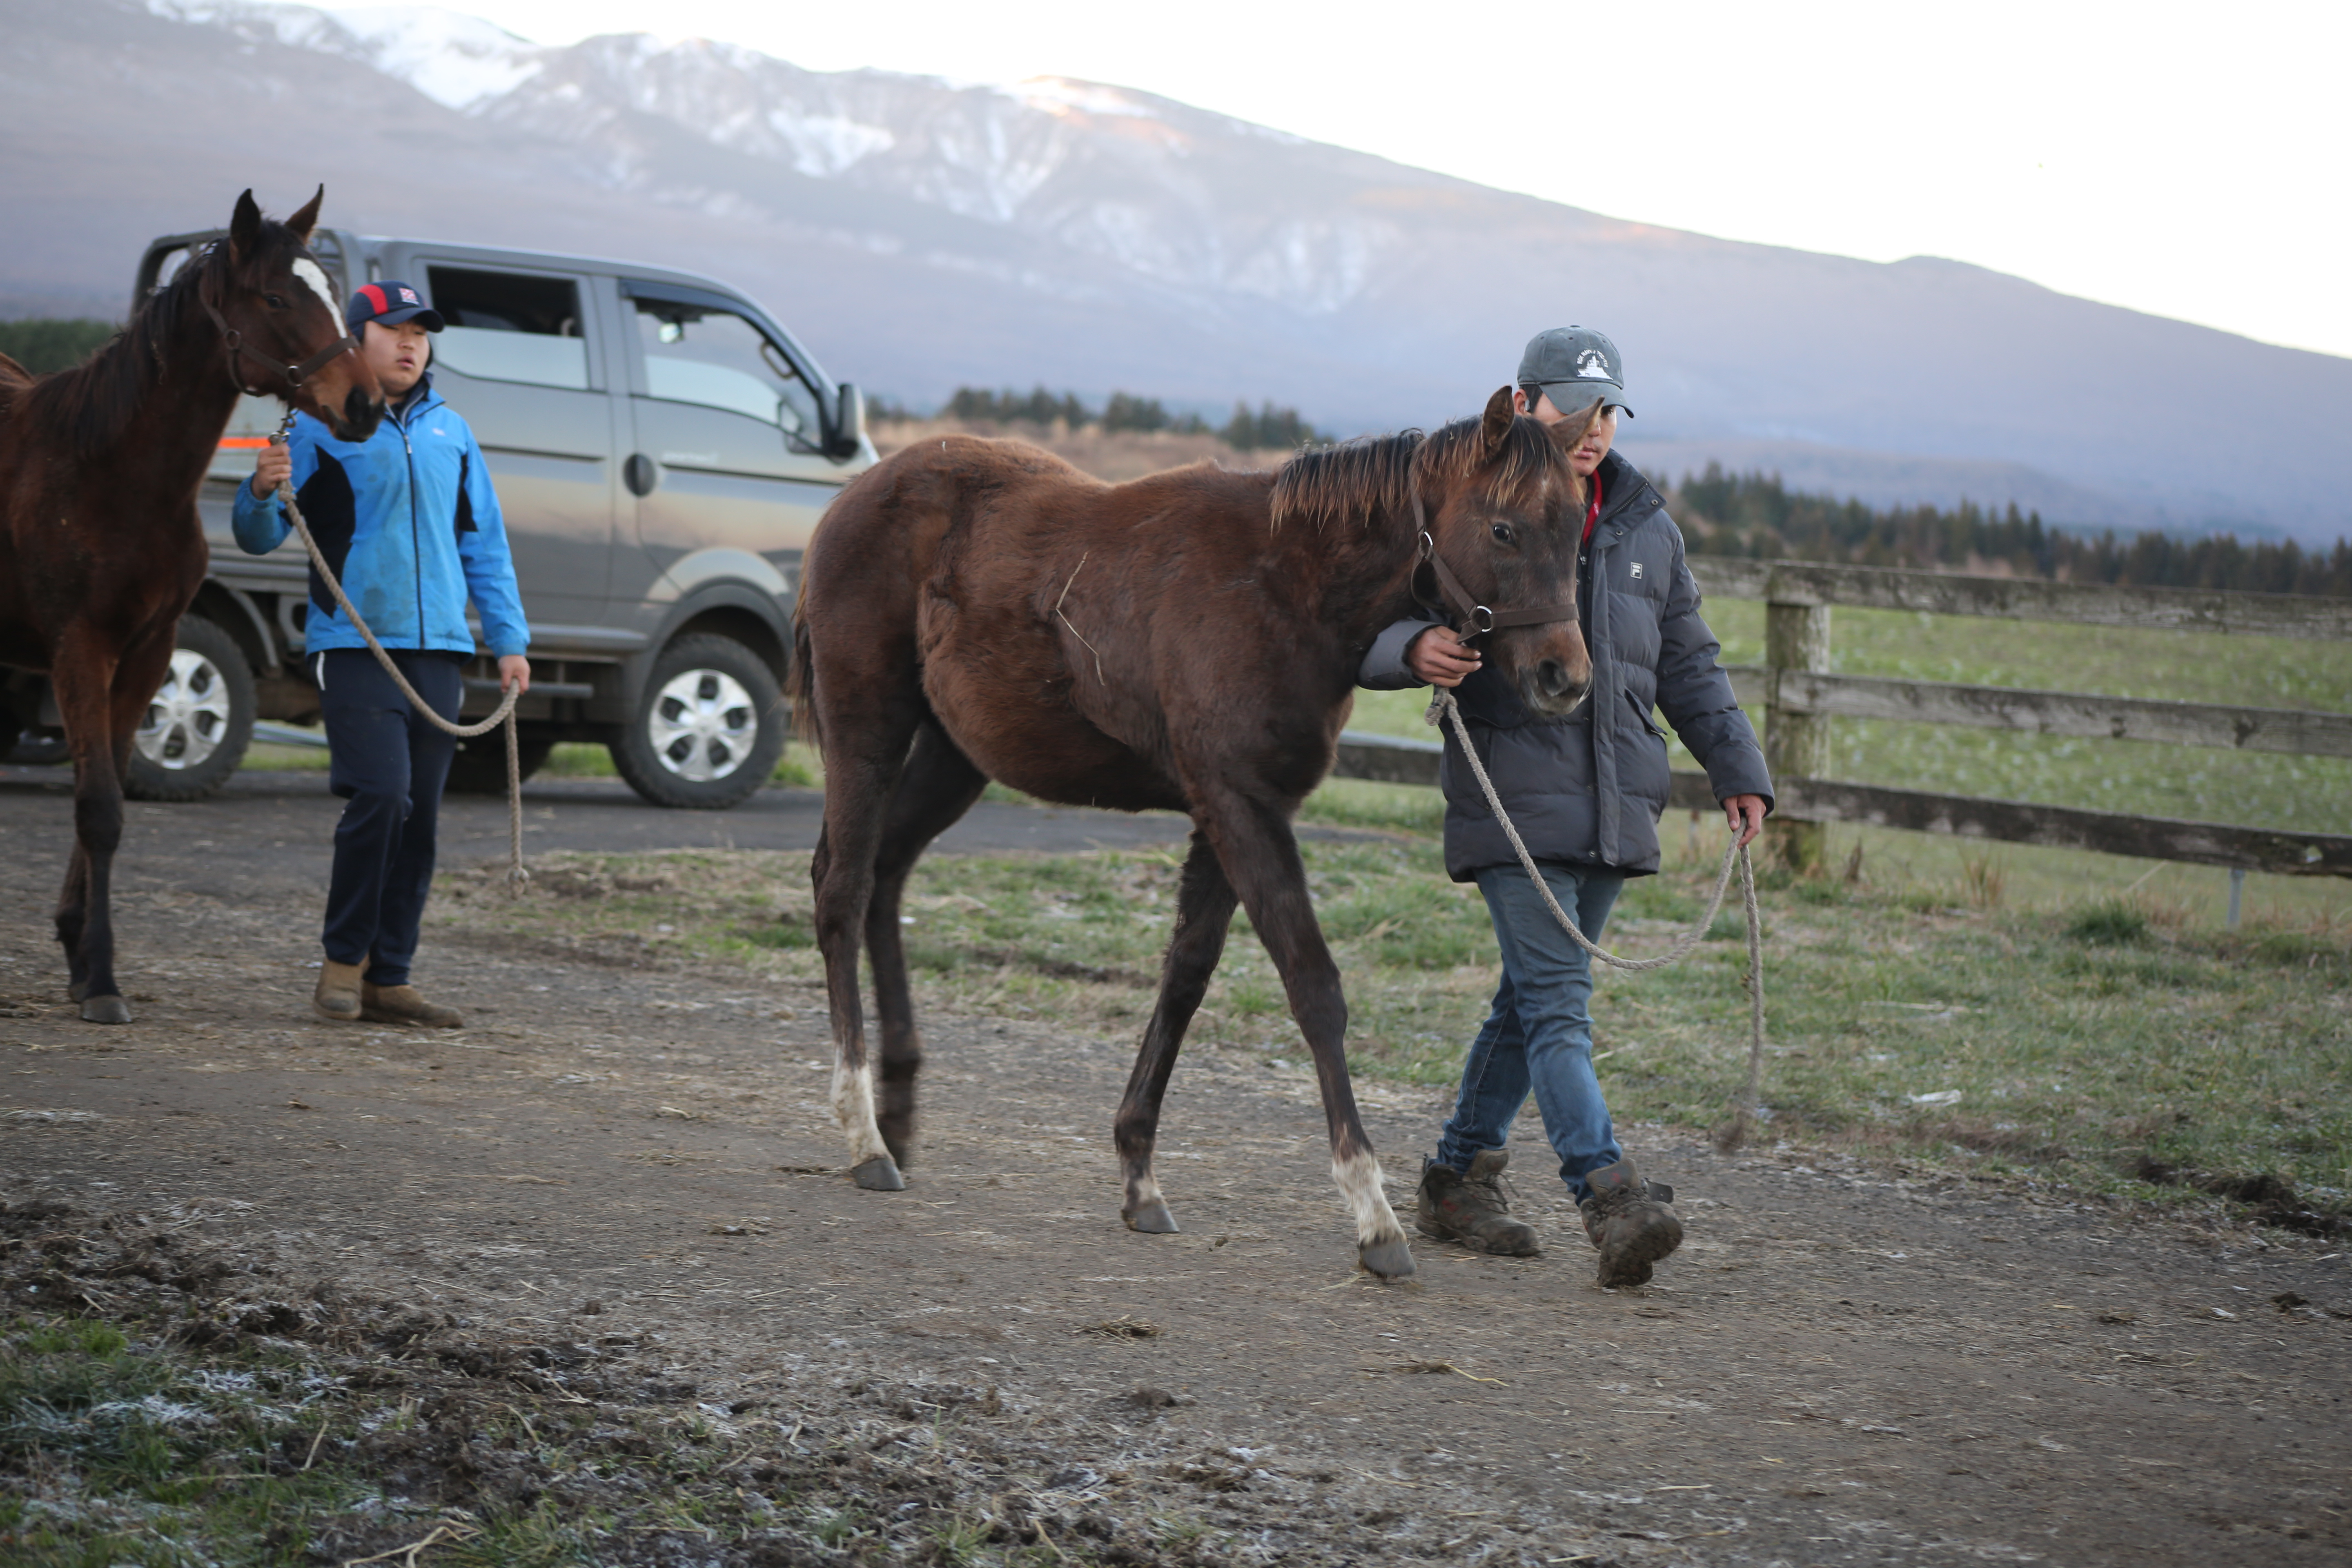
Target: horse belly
{"x": 999, "y": 684}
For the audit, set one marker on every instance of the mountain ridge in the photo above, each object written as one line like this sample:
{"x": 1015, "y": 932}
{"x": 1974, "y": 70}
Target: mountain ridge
{"x": 920, "y": 234}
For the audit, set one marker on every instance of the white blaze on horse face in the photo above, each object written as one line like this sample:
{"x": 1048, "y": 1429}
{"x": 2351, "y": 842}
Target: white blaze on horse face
{"x": 1359, "y": 1178}
{"x": 311, "y": 273}
{"x": 853, "y": 1108}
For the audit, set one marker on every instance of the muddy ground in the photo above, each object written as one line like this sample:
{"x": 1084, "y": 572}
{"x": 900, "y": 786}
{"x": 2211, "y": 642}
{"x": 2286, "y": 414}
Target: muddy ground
{"x": 1845, "y": 1364}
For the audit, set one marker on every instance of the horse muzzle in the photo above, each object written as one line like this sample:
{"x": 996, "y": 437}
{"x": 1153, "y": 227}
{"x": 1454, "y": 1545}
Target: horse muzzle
{"x": 357, "y": 418}
{"x": 1552, "y": 690}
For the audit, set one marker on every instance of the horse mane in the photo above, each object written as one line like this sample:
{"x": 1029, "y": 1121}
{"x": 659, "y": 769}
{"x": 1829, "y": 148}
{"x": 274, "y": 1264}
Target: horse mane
{"x": 1374, "y": 476}
{"x": 90, "y": 406}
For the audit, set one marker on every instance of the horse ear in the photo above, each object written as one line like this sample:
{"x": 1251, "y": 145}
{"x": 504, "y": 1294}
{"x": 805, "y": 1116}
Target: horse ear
{"x": 1569, "y": 432}
{"x": 1497, "y": 424}
{"x": 306, "y": 220}
{"x": 245, "y": 229}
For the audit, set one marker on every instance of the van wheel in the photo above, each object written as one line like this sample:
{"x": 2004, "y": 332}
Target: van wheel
{"x": 708, "y": 730}
{"x": 480, "y": 765}
{"x": 200, "y": 720}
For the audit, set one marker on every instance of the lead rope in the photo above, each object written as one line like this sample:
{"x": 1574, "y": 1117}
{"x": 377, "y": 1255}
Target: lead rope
{"x": 517, "y": 875}
{"x": 1735, "y": 1132}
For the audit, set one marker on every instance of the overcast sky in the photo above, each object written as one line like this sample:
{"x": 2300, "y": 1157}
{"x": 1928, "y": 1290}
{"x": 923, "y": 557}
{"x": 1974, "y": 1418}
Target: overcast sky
{"x": 2191, "y": 160}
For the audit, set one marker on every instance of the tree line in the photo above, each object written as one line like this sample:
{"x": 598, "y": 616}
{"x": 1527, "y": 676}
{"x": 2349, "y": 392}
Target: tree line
{"x": 1266, "y": 429}
{"x": 1756, "y": 516}
{"x": 46, "y": 343}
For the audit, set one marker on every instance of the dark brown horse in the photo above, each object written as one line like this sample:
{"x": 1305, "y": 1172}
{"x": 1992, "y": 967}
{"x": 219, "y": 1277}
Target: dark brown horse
{"x": 100, "y": 550}
{"x": 980, "y": 609}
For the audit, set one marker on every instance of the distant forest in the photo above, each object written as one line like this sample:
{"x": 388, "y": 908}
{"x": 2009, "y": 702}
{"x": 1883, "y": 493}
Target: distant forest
{"x": 1756, "y": 516}
{"x": 1267, "y": 429}
{"x": 46, "y": 343}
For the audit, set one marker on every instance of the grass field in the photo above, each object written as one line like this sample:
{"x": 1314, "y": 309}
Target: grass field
{"x": 1923, "y": 1009}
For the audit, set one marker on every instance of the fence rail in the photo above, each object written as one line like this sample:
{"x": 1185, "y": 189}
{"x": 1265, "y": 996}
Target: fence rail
{"x": 1799, "y": 695}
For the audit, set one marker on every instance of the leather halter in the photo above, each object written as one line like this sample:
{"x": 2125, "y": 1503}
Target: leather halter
{"x": 295, "y": 374}
{"x": 1476, "y": 619}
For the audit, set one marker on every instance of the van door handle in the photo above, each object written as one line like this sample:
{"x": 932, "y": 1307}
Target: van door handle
{"x": 641, "y": 474}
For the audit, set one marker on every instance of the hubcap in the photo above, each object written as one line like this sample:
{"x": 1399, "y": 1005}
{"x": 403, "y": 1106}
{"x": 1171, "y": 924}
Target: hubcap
{"x": 703, "y": 725}
{"x": 189, "y": 715}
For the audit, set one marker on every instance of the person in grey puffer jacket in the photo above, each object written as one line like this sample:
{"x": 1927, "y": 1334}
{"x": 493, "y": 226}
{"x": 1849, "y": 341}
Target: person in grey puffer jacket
{"x": 1586, "y": 793}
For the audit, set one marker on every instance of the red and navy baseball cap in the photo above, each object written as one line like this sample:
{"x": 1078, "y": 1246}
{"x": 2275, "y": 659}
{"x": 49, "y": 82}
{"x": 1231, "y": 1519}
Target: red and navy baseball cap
{"x": 390, "y": 303}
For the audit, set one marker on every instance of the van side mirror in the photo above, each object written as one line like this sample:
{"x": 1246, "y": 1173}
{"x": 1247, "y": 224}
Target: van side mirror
{"x": 848, "y": 423}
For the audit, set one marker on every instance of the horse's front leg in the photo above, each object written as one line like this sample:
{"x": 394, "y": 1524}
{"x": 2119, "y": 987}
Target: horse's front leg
{"x": 1260, "y": 853}
{"x": 87, "y": 683}
{"x": 1205, "y": 911}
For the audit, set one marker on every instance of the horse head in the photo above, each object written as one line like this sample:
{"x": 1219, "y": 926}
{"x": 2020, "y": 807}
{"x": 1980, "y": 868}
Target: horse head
{"x": 1502, "y": 518}
{"x": 282, "y": 326}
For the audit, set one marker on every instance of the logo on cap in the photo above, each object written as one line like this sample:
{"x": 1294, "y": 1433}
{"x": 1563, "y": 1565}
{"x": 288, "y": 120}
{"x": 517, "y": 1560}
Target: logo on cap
{"x": 1593, "y": 365}
{"x": 408, "y": 297}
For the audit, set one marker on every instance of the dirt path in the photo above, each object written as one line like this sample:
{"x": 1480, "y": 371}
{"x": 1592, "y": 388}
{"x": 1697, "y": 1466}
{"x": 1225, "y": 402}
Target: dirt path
{"x": 1842, "y": 1365}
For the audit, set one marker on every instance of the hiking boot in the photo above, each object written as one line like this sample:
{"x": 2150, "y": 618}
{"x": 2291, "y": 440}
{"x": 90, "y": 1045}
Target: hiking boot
{"x": 337, "y": 999}
{"x": 402, "y": 1004}
{"x": 1631, "y": 1221}
{"x": 1472, "y": 1209}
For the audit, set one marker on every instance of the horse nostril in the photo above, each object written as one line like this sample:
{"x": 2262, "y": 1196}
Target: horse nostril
{"x": 1552, "y": 676}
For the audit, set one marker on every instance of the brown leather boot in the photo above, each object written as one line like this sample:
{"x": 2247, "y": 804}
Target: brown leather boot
{"x": 1631, "y": 1221}
{"x": 337, "y": 999}
{"x": 402, "y": 1005}
{"x": 1471, "y": 1209}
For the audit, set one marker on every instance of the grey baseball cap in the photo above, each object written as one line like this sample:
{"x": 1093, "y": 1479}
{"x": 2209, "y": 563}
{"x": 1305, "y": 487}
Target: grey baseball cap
{"x": 1574, "y": 366}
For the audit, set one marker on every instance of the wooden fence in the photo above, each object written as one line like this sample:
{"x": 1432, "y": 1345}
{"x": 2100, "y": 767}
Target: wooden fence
{"x": 1798, "y": 696}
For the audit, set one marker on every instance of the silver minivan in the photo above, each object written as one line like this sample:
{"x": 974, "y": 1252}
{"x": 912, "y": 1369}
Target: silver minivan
{"x": 662, "y": 449}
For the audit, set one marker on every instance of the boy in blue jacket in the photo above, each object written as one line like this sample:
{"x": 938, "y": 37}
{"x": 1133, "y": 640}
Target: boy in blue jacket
{"x": 411, "y": 526}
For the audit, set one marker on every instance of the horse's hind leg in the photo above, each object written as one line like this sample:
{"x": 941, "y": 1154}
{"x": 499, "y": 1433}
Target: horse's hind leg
{"x": 1205, "y": 911}
{"x": 865, "y": 744}
{"x": 1260, "y": 853}
{"x": 937, "y": 785}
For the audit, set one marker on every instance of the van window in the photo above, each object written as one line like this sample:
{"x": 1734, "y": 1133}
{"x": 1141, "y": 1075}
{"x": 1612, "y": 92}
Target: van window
{"x": 510, "y": 326}
{"x": 720, "y": 360}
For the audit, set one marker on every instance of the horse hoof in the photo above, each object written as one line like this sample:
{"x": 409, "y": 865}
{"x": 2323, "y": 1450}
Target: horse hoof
{"x": 105, "y": 1010}
{"x": 879, "y": 1174}
{"x": 1152, "y": 1219}
{"x": 1389, "y": 1260}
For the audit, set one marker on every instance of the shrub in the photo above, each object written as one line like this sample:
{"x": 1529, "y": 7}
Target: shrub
{"x": 2110, "y": 922}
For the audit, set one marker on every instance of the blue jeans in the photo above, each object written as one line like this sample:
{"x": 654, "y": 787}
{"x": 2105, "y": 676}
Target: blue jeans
{"x": 1538, "y": 1034}
{"x": 389, "y": 765}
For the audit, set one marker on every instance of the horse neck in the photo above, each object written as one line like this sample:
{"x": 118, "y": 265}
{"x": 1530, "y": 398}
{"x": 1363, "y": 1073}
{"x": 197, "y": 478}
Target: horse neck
{"x": 184, "y": 407}
{"x": 1356, "y": 572}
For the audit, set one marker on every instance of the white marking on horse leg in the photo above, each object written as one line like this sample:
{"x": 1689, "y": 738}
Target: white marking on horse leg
{"x": 852, "y": 1107}
{"x": 1142, "y": 1188}
{"x": 1359, "y": 1178}
{"x": 310, "y": 272}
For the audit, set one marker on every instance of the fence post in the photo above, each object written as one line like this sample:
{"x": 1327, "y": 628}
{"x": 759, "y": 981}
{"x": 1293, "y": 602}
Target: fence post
{"x": 1796, "y": 745}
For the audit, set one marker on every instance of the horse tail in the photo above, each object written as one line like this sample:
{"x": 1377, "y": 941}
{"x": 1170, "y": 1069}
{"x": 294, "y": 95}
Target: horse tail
{"x": 800, "y": 677}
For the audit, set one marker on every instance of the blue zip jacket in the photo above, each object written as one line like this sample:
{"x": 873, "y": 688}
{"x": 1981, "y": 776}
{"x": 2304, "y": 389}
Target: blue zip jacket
{"x": 410, "y": 523}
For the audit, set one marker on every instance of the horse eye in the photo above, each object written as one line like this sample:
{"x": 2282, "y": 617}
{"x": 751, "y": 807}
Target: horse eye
{"x": 277, "y": 301}
{"x": 1503, "y": 532}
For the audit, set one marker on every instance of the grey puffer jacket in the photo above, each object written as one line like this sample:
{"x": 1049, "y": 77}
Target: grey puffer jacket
{"x": 1589, "y": 789}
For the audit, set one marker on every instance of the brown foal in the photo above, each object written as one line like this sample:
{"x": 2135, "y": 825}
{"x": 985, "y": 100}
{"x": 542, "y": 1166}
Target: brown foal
{"x": 975, "y": 610}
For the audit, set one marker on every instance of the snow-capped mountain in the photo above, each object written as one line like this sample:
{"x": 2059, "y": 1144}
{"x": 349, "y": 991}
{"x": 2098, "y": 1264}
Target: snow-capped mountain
{"x": 920, "y": 234}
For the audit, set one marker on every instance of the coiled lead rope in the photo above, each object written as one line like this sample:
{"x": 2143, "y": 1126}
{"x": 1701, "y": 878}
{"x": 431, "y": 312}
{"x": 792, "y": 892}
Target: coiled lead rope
{"x": 1735, "y": 1132}
{"x": 517, "y": 874}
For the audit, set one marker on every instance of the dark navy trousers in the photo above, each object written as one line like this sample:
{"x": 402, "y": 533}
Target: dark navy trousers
{"x": 389, "y": 764}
